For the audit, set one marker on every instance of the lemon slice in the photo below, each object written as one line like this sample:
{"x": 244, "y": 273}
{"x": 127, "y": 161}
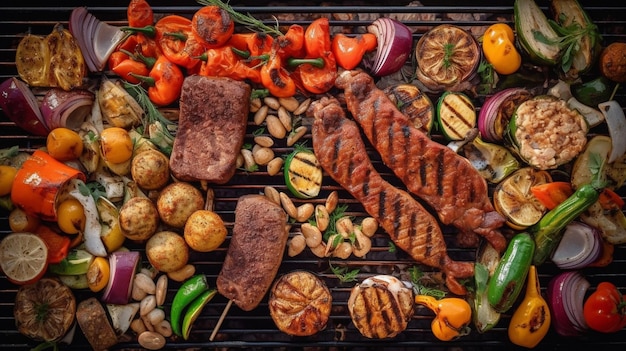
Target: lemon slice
{"x": 513, "y": 199}
{"x": 23, "y": 257}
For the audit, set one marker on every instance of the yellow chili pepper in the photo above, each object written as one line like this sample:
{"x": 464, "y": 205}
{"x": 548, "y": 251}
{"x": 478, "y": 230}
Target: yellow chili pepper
{"x": 499, "y": 48}
{"x": 531, "y": 320}
{"x": 452, "y": 316}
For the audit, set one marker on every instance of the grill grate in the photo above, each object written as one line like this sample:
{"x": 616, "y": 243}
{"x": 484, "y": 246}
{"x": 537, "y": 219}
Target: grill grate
{"x": 255, "y": 329}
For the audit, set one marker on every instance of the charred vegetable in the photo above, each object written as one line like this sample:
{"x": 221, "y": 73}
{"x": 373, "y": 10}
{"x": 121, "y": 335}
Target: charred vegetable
{"x": 535, "y": 34}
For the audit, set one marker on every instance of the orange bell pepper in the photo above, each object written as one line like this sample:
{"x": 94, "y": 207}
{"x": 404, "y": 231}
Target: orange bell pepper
{"x": 349, "y": 51}
{"x": 256, "y": 46}
{"x": 292, "y": 43}
{"x": 212, "y": 26}
{"x": 553, "y": 193}
{"x": 58, "y": 244}
{"x": 38, "y": 182}
{"x": 315, "y": 79}
{"x": 122, "y": 65}
{"x": 176, "y": 41}
{"x": 276, "y": 78}
{"x": 223, "y": 62}
{"x": 139, "y": 13}
{"x": 165, "y": 82}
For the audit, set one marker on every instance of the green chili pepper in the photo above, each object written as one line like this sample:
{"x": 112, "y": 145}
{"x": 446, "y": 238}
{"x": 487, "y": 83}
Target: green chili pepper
{"x": 186, "y": 294}
{"x": 194, "y": 310}
{"x": 508, "y": 279}
{"x": 549, "y": 230}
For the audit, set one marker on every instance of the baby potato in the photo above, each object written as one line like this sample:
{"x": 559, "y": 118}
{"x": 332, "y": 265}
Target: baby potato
{"x": 139, "y": 219}
{"x": 150, "y": 169}
{"x": 204, "y": 231}
{"x": 177, "y": 202}
{"x": 167, "y": 251}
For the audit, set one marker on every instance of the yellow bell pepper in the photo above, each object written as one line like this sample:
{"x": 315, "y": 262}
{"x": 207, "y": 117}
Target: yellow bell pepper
{"x": 499, "y": 48}
{"x": 452, "y": 316}
{"x": 531, "y": 320}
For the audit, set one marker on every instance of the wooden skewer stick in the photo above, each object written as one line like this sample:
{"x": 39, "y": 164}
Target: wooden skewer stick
{"x": 219, "y": 321}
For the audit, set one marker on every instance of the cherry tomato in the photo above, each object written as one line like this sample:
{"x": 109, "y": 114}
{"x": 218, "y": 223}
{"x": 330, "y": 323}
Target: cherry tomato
{"x": 71, "y": 216}
{"x": 7, "y": 175}
{"x": 64, "y": 144}
{"x": 116, "y": 145}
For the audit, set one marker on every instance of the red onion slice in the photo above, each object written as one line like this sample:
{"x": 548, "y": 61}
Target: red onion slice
{"x": 395, "y": 42}
{"x": 67, "y": 109}
{"x": 97, "y": 40}
{"x": 123, "y": 265}
{"x": 20, "y": 105}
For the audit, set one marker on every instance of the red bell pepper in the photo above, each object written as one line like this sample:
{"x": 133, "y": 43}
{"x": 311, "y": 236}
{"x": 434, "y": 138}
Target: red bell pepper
{"x": 605, "y": 309}
{"x": 223, "y": 62}
{"x": 349, "y": 51}
{"x": 165, "y": 82}
{"x": 276, "y": 78}
{"x": 58, "y": 244}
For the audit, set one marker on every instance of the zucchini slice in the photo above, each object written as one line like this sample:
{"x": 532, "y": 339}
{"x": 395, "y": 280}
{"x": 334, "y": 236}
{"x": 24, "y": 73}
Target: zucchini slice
{"x": 456, "y": 115}
{"x": 535, "y": 34}
{"x": 303, "y": 174}
{"x": 414, "y": 104}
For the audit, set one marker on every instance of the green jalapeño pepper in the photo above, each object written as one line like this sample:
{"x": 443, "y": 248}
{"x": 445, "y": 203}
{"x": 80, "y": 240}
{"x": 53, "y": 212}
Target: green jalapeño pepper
{"x": 194, "y": 309}
{"x": 186, "y": 294}
{"x": 508, "y": 279}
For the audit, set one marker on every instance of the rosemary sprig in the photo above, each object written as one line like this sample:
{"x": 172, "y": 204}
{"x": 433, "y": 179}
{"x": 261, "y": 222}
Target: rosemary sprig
{"x": 419, "y": 288}
{"x": 247, "y": 20}
{"x": 569, "y": 40}
{"x": 343, "y": 274}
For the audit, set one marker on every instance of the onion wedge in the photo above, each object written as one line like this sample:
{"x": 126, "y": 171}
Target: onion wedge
{"x": 616, "y": 121}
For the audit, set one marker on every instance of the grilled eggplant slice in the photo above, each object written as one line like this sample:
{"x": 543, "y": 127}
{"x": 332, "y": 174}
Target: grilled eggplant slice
{"x": 571, "y": 16}
{"x": 535, "y": 34}
{"x": 414, "y": 104}
{"x": 381, "y": 306}
{"x": 447, "y": 56}
{"x": 300, "y": 303}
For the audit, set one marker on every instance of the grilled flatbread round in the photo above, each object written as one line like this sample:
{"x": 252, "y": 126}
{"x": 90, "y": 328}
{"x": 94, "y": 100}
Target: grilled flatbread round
{"x": 300, "y": 303}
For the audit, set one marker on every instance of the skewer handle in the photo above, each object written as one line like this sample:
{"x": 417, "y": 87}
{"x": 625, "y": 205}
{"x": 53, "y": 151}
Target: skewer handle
{"x": 219, "y": 321}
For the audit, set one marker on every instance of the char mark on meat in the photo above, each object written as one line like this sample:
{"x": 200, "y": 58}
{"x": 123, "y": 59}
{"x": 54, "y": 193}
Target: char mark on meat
{"x": 341, "y": 152}
{"x": 430, "y": 170}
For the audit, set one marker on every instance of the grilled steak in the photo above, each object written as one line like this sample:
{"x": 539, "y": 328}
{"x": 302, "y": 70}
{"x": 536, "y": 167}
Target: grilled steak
{"x": 255, "y": 251}
{"x": 300, "y": 303}
{"x": 211, "y": 128}
{"x": 432, "y": 171}
{"x": 339, "y": 148}
{"x": 381, "y": 306}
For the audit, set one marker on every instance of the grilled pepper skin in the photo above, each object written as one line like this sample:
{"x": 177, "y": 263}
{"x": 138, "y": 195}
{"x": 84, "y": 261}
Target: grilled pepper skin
{"x": 508, "y": 279}
{"x": 186, "y": 294}
{"x": 549, "y": 230}
{"x": 531, "y": 320}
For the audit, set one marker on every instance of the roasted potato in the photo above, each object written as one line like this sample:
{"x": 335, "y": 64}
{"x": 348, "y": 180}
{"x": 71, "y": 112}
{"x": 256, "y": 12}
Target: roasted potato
{"x": 177, "y": 202}
{"x": 139, "y": 219}
{"x": 150, "y": 169}
{"x": 204, "y": 231}
{"x": 167, "y": 251}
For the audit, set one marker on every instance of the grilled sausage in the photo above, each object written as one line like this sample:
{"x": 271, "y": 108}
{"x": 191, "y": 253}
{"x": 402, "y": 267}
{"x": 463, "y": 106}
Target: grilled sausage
{"x": 339, "y": 148}
{"x": 432, "y": 171}
{"x": 255, "y": 251}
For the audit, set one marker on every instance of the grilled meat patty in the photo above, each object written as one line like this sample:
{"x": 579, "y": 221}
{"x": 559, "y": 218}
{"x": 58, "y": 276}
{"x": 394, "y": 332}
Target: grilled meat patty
{"x": 255, "y": 251}
{"x": 381, "y": 306}
{"x": 300, "y": 303}
{"x": 340, "y": 150}
{"x": 211, "y": 128}
{"x": 432, "y": 171}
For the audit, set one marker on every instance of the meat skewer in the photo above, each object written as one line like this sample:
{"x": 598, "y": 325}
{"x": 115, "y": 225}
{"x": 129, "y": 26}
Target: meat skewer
{"x": 254, "y": 254}
{"x": 432, "y": 171}
{"x": 339, "y": 148}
